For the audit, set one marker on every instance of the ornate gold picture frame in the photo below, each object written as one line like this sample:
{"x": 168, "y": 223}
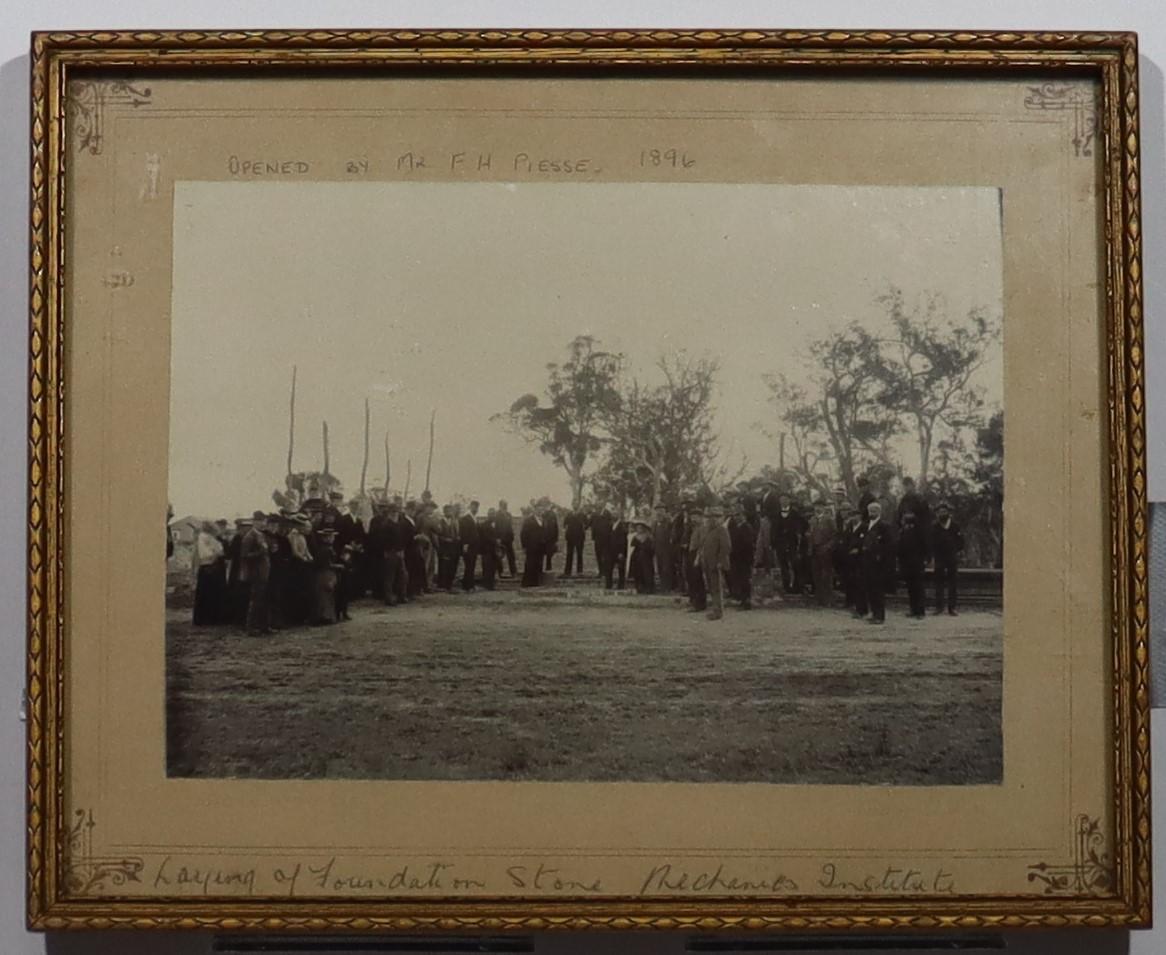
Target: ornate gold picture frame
{"x": 200, "y": 195}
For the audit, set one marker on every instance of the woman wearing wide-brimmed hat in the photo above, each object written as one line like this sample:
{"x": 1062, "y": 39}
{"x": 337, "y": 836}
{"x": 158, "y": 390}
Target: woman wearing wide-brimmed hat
{"x": 642, "y": 562}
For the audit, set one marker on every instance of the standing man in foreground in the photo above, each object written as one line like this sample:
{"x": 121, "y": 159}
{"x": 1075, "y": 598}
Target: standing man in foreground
{"x": 504, "y": 527}
{"x": 534, "y": 543}
{"x": 575, "y": 533}
{"x": 912, "y": 502}
{"x": 601, "y": 525}
{"x": 713, "y": 558}
{"x": 681, "y": 559}
{"x": 468, "y": 538}
{"x": 396, "y": 585}
{"x": 255, "y": 571}
{"x": 822, "y": 544}
{"x": 877, "y": 561}
{"x": 743, "y": 535}
{"x": 617, "y": 552}
{"x": 697, "y": 592}
{"x": 448, "y": 549}
{"x": 912, "y": 561}
{"x": 551, "y": 522}
{"x": 488, "y": 548}
{"x": 787, "y": 529}
{"x": 662, "y": 544}
{"x": 947, "y": 545}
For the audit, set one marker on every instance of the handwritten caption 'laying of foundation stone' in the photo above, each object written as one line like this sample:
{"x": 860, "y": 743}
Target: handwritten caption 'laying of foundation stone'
{"x": 174, "y": 875}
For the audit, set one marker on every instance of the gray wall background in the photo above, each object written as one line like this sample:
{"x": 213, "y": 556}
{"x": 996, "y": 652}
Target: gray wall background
{"x": 18, "y": 17}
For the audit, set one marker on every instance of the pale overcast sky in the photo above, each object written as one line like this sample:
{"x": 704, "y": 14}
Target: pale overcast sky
{"x": 455, "y": 296}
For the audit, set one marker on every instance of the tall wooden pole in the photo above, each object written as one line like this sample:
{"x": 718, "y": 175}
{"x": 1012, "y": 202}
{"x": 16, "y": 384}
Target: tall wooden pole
{"x": 364, "y": 463}
{"x": 408, "y": 476}
{"x": 326, "y": 471}
{"x": 429, "y": 461}
{"x": 291, "y": 428}
{"x": 388, "y": 470}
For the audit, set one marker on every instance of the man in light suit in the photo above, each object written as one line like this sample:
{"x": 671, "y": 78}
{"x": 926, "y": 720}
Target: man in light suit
{"x": 713, "y": 557}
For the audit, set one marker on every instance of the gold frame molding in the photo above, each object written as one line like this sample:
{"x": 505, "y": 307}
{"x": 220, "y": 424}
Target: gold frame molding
{"x": 55, "y": 848}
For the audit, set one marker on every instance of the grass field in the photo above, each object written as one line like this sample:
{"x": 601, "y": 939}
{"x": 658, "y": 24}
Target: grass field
{"x": 563, "y": 684}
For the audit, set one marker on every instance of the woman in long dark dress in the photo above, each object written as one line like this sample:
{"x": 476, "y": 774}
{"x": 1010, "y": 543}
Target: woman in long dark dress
{"x": 324, "y": 578}
{"x": 300, "y": 569}
{"x": 643, "y": 559}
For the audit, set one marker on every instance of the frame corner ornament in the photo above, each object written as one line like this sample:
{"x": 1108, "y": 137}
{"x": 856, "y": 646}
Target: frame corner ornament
{"x": 1090, "y": 872}
{"x": 87, "y": 101}
{"x": 86, "y": 873}
{"x": 1073, "y": 97}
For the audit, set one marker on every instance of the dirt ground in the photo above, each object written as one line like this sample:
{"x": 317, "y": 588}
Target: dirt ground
{"x": 571, "y": 685}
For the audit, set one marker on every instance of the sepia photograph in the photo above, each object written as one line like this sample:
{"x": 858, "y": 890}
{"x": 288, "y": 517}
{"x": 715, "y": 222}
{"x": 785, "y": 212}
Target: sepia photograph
{"x": 586, "y": 481}
{"x": 581, "y": 459}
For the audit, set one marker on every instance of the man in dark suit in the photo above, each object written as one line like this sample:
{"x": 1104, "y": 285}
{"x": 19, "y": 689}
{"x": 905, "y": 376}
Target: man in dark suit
{"x": 236, "y": 604}
{"x": 743, "y": 543}
{"x": 374, "y": 550}
{"x": 697, "y": 529}
{"x": 662, "y": 545}
{"x": 414, "y": 562}
{"x": 845, "y": 555}
{"x": 575, "y": 533}
{"x": 820, "y": 540}
{"x": 601, "y": 525}
{"x": 488, "y": 548}
{"x": 751, "y": 506}
{"x": 770, "y": 502}
{"x": 912, "y": 502}
{"x": 255, "y": 571}
{"x": 504, "y": 529}
{"x": 551, "y": 523}
{"x": 681, "y": 558}
{"x": 947, "y": 544}
{"x": 866, "y": 496}
{"x": 396, "y": 571}
{"x": 448, "y": 549}
{"x": 533, "y": 538}
{"x": 877, "y": 557}
{"x": 617, "y": 553}
{"x": 350, "y": 537}
{"x": 912, "y": 560}
{"x": 468, "y": 536}
{"x": 788, "y": 530}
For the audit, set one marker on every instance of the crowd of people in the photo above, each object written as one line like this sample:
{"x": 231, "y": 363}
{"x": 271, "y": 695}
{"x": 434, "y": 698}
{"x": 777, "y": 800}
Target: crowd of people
{"x": 305, "y": 565}
{"x": 712, "y": 551}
